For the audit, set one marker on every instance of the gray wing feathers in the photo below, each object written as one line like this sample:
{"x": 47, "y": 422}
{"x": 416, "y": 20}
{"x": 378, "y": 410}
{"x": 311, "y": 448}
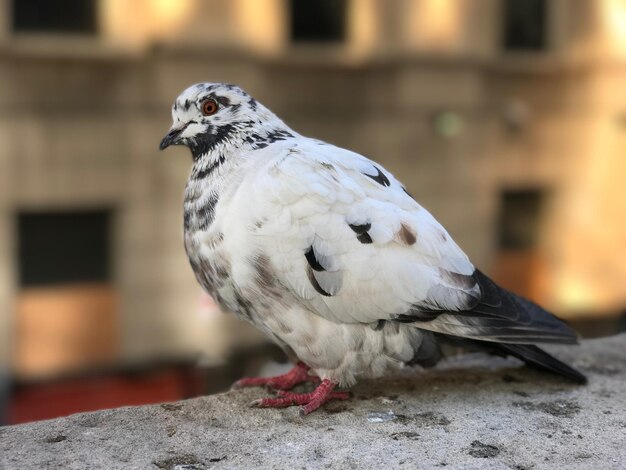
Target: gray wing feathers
{"x": 499, "y": 316}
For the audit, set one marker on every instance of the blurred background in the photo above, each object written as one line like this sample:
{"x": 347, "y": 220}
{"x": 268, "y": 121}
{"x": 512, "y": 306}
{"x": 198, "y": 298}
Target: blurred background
{"x": 505, "y": 118}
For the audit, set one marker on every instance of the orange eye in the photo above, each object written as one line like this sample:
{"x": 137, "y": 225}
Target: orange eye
{"x": 209, "y": 107}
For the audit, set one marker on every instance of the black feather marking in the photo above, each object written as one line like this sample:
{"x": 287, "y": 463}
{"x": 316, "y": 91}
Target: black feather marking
{"x": 365, "y": 238}
{"x": 408, "y": 193}
{"x": 361, "y": 231}
{"x": 380, "y": 177}
{"x": 201, "y": 174}
{"x": 312, "y": 260}
{"x": 379, "y": 325}
{"x": 202, "y": 144}
{"x": 253, "y": 104}
{"x": 222, "y": 100}
{"x": 315, "y": 284}
{"x": 278, "y": 134}
{"x": 261, "y": 141}
{"x": 207, "y": 212}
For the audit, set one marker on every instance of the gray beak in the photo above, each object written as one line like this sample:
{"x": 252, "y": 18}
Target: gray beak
{"x": 172, "y": 137}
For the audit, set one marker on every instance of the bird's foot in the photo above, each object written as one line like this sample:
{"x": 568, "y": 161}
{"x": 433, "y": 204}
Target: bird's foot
{"x": 308, "y": 401}
{"x": 297, "y": 375}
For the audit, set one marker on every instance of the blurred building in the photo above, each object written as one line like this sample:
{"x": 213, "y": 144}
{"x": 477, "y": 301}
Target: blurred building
{"x": 505, "y": 118}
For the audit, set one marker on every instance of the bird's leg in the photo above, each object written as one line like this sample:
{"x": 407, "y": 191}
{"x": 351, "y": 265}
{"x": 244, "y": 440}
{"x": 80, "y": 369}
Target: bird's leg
{"x": 297, "y": 375}
{"x": 308, "y": 401}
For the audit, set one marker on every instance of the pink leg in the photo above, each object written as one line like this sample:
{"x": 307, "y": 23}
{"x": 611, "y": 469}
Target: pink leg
{"x": 297, "y": 375}
{"x": 308, "y": 401}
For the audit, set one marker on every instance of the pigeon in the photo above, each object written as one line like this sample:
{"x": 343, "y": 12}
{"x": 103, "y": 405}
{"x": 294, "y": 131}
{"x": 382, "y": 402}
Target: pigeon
{"x": 329, "y": 255}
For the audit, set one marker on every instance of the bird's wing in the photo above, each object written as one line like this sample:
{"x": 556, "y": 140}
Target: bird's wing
{"x": 347, "y": 240}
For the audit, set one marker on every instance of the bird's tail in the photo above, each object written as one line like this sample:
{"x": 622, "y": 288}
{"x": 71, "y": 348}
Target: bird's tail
{"x": 530, "y": 354}
{"x": 538, "y": 358}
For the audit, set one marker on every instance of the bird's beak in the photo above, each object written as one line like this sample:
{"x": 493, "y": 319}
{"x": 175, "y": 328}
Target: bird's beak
{"x": 172, "y": 137}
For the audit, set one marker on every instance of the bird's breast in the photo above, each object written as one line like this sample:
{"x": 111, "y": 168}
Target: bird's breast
{"x": 213, "y": 265}
{"x": 208, "y": 260}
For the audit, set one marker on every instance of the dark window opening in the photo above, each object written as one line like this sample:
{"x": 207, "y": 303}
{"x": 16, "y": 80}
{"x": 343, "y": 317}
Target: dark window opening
{"x": 54, "y": 16}
{"x": 525, "y": 23}
{"x": 520, "y": 219}
{"x": 64, "y": 247}
{"x": 318, "y": 20}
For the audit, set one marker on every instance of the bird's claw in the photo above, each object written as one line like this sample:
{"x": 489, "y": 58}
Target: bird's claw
{"x": 308, "y": 401}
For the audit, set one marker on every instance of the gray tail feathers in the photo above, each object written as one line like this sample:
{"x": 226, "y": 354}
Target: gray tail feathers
{"x": 506, "y": 317}
{"x": 530, "y": 354}
{"x": 538, "y": 358}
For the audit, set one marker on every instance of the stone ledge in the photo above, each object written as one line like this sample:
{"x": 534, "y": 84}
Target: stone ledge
{"x": 472, "y": 411}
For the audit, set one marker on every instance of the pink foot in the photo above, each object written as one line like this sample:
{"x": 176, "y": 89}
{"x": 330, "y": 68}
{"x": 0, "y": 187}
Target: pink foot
{"x": 308, "y": 401}
{"x": 297, "y": 375}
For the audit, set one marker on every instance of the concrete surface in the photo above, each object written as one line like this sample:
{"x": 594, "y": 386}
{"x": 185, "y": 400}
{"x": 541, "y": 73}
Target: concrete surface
{"x": 471, "y": 412}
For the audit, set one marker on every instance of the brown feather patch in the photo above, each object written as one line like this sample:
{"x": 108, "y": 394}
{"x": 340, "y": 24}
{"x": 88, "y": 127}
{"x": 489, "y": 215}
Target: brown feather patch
{"x": 265, "y": 276}
{"x": 406, "y": 236}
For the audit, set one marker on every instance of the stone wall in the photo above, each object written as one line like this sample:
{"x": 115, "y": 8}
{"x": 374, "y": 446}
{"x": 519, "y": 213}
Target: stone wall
{"x": 470, "y": 412}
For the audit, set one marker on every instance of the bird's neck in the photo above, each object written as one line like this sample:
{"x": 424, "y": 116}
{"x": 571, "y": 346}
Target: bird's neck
{"x": 204, "y": 189}
{"x": 217, "y": 173}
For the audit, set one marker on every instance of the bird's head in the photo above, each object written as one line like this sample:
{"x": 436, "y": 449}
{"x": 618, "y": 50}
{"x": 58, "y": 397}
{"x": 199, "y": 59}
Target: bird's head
{"x": 206, "y": 115}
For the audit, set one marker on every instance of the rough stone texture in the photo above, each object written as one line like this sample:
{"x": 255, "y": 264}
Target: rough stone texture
{"x": 471, "y": 412}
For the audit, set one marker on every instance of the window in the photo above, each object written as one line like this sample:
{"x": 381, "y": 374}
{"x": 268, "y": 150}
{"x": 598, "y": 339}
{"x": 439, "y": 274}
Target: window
{"x": 525, "y": 25}
{"x": 520, "y": 219}
{"x": 63, "y": 247}
{"x": 57, "y": 16}
{"x": 318, "y": 20}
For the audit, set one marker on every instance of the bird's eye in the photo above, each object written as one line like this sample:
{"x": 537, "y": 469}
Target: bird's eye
{"x": 209, "y": 107}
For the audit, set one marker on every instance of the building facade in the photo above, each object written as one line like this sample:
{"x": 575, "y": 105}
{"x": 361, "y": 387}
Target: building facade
{"x": 506, "y": 119}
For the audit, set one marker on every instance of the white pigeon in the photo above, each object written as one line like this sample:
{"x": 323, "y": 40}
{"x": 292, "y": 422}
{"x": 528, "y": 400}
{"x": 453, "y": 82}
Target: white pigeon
{"x": 327, "y": 253}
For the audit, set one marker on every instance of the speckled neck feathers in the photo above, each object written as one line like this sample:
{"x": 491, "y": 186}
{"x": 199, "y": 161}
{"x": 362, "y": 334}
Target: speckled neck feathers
{"x": 214, "y": 171}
